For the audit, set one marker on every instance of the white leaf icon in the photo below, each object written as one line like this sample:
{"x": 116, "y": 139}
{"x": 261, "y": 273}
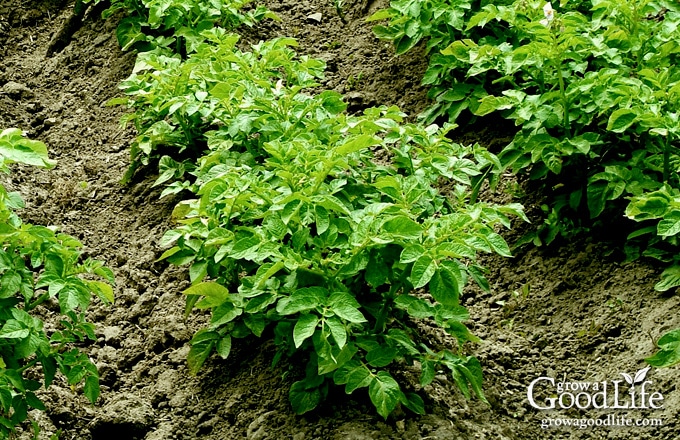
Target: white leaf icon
{"x": 640, "y": 375}
{"x": 628, "y": 378}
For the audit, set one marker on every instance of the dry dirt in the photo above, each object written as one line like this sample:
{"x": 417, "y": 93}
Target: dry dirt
{"x": 573, "y": 312}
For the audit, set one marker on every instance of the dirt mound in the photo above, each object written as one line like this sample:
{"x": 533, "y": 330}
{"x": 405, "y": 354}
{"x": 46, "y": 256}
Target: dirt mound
{"x": 574, "y": 313}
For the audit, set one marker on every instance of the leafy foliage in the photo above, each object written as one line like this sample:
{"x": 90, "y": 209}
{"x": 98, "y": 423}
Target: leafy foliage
{"x": 189, "y": 105}
{"x": 178, "y": 23}
{"x": 592, "y": 89}
{"x": 439, "y": 23}
{"x": 36, "y": 265}
{"x": 669, "y": 350}
{"x": 298, "y": 226}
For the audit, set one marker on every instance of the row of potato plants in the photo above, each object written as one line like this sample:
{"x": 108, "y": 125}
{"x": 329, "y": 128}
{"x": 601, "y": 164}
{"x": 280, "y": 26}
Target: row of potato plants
{"x": 321, "y": 230}
{"x": 41, "y": 270}
{"x": 593, "y": 88}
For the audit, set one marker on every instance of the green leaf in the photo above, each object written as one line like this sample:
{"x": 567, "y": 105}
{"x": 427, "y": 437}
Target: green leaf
{"x": 304, "y": 328}
{"x": 360, "y": 142}
{"x": 381, "y": 356}
{"x": 322, "y": 219}
{"x": 472, "y": 370}
{"x": 256, "y": 324}
{"x": 15, "y": 379}
{"x": 73, "y": 297}
{"x": 403, "y": 227}
{"x": 331, "y": 203}
{"x": 209, "y": 289}
{"x": 224, "y": 313}
{"x": 340, "y": 358}
{"x": 129, "y": 32}
{"x": 20, "y": 410}
{"x": 353, "y": 375}
{"x": 669, "y": 350}
{"x": 411, "y": 253}
{"x": 377, "y": 272}
{"x": 413, "y": 402}
{"x": 266, "y": 271}
{"x": 490, "y": 104}
{"x": 418, "y": 308}
{"x": 597, "y": 197}
{"x": 103, "y": 291}
{"x": 428, "y": 372}
{"x": 444, "y": 285}
{"x": 91, "y": 388}
{"x": 346, "y": 307}
{"x": 302, "y": 300}
{"x": 30, "y": 345}
{"x": 423, "y": 270}
{"x": 169, "y": 253}
{"x": 401, "y": 338}
{"x": 380, "y": 15}
{"x": 648, "y": 206}
{"x": 358, "y": 263}
{"x": 191, "y": 302}
{"x": 49, "y": 366}
{"x": 10, "y": 283}
{"x": 552, "y": 160}
{"x": 223, "y": 347}
{"x": 246, "y": 248}
{"x": 198, "y": 271}
{"x": 385, "y": 32}
{"x": 669, "y": 225}
{"x": 498, "y": 244}
{"x": 621, "y": 119}
{"x": 14, "y": 329}
{"x": 303, "y": 399}
{"x": 202, "y": 345}
{"x": 36, "y": 403}
{"x": 385, "y": 393}
{"x": 260, "y": 303}
{"x": 332, "y": 102}
{"x": 324, "y": 351}
{"x": 338, "y": 330}
{"x": 404, "y": 44}
{"x": 670, "y": 278}
{"x": 16, "y": 148}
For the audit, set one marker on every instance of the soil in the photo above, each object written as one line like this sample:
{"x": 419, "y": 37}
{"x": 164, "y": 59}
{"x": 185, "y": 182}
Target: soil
{"x": 573, "y": 312}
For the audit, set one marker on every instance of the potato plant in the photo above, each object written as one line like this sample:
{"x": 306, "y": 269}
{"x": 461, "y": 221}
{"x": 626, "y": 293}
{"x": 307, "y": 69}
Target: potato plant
{"x": 322, "y": 230}
{"x": 592, "y": 88}
{"x": 183, "y": 106}
{"x": 668, "y": 354}
{"x": 298, "y": 232}
{"x": 177, "y": 23}
{"x": 327, "y": 249}
{"x": 39, "y": 265}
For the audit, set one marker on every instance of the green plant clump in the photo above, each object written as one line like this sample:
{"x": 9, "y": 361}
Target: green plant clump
{"x": 300, "y": 231}
{"x": 593, "y": 89}
{"x": 668, "y": 354}
{"x": 36, "y": 265}
{"x": 177, "y": 24}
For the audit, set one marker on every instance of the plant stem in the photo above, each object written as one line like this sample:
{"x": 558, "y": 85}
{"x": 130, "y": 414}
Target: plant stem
{"x": 41, "y": 299}
{"x": 563, "y": 94}
{"x": 381, "y": 320}
{"x": 667, "y": 159}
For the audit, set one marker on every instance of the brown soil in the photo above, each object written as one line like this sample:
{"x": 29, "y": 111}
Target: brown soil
{"x": 572, "y": 311}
